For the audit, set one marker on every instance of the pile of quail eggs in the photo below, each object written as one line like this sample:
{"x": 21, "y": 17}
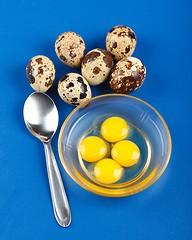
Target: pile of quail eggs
{"x": 115, "y": 64}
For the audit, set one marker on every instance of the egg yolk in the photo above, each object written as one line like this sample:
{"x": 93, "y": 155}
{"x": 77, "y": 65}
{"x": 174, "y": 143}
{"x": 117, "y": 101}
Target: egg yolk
{"x": 93, "y": 148}
{"x": 114, "y": 129}
{"x": 126, "y": 153}
{"x": 107, "y": 171}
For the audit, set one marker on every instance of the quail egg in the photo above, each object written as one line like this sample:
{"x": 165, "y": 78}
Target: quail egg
{"x": 121, "y": 42}
{"x": 127, "y": 75}
{"x": 40, "y": 72}
{"x": 74, "y": 89}
{"x": 96, "y": 66}
{"x": 70, "y": 48}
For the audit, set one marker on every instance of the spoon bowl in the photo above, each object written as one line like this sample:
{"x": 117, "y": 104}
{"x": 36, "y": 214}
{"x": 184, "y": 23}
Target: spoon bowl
{"x": 41, "y": 118}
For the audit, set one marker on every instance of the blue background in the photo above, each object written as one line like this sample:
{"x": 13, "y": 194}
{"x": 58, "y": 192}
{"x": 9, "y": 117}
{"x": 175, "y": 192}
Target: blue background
{"x": 28, "y": 28}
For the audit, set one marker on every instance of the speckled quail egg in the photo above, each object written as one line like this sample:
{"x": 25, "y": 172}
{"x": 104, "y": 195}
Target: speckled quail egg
{"x": 121, "y": 42}
{"x": 96, "y": 66}
{"x": 70, "y": 48}
{"x": 74, "y": 89}
{"x": 40, "y": 72}
{"x": 127, "y": 75}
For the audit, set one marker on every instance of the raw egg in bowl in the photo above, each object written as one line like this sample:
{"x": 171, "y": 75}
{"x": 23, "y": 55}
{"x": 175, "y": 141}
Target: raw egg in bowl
{"x": 114, "y": 145}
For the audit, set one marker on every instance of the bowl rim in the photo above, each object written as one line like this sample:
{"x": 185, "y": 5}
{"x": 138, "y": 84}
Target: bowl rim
{"x": 105, "y": 193}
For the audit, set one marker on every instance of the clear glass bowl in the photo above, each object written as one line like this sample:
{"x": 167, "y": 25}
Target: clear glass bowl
{"x": 141, "y": 116}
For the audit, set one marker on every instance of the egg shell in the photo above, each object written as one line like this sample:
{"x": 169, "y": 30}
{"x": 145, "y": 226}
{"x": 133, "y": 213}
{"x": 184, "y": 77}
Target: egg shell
{"x": 40, "y": 72}
{"x": 127, "y": 75}
{"x": 70, "y": 48}
{"x": 74, "y": 89}
{"x": 96, "y": 66}
{"x": 121, "y": 42}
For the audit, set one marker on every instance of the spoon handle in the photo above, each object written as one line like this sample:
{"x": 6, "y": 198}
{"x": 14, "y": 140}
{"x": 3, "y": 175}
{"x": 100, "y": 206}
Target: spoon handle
{"x": 59, "y": 198}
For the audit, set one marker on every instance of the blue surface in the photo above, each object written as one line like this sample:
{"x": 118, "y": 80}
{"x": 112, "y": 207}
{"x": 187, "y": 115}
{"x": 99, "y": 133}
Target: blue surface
{"x": 164, "y": 33}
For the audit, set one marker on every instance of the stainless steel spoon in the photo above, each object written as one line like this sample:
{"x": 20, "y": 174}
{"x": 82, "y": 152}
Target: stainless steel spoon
{"x": 41, "y": 118}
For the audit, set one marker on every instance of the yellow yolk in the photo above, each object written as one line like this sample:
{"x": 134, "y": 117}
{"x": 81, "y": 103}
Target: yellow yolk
{"x": 114, "y": 129}
{"x": 107, "y": 171}
{"x": 126, "y": 153}
{"x": 93, "y": 149}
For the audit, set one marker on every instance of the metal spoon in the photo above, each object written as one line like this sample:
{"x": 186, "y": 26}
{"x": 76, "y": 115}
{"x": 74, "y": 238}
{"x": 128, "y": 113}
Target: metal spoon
{"x": 41, "y": 118}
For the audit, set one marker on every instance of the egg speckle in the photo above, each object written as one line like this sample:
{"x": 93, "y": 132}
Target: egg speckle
{"x": 127, "y": 75}
{"x": 96, "y": 66}
{"x": 74, "y": 89}
{"x": 70, "y": 48}
{"x": 121, "y": 42}
{"x": 40, "y": 72}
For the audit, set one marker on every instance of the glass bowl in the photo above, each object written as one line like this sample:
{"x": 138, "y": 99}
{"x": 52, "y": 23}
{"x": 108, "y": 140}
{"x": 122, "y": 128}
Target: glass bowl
{"x": 152, "y": 136}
